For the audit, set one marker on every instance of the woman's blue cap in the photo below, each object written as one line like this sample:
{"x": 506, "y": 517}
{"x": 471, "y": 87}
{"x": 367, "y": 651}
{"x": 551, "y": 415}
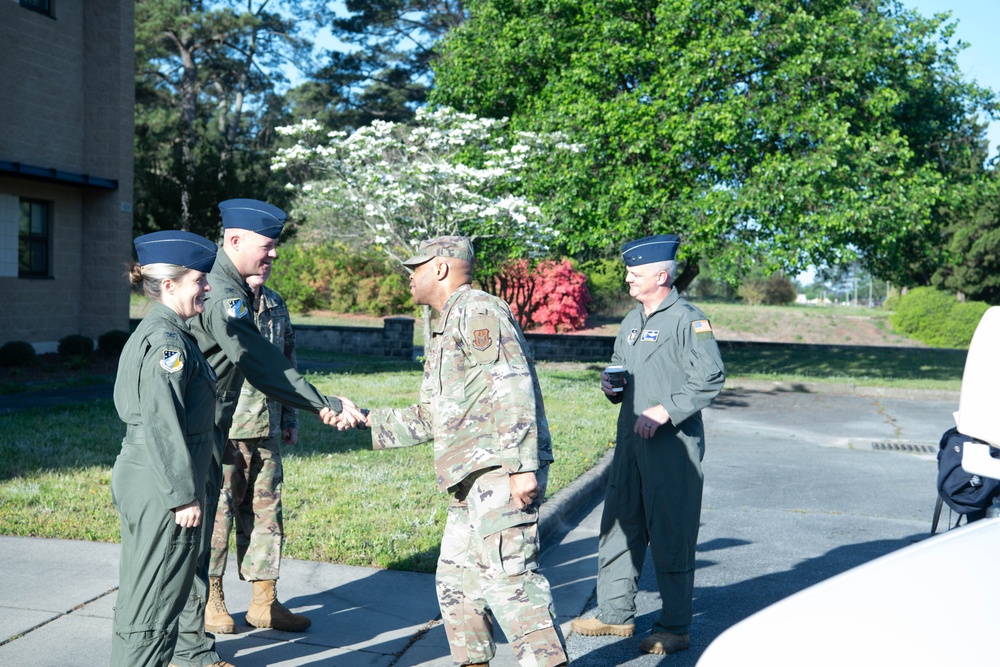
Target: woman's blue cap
{"x": 660, "y": 248}
{"x": 176, "y": 247}
{"x": 252, "y": 215}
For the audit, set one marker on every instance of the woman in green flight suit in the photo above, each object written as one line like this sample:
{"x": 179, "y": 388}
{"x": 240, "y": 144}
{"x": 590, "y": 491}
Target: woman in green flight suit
{"x": 165, "y": 394}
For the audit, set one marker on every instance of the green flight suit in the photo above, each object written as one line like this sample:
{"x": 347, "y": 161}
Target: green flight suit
{"x": 654, "y": 490}
{"x": 232, "y": 344}
{"x": 165, "y": 394}
{"x": 251, "y": 463}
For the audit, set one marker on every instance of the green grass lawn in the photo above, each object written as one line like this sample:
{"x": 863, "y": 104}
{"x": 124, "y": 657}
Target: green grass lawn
{"x": 343, "y": 502}
{"x": 900, "y": 367}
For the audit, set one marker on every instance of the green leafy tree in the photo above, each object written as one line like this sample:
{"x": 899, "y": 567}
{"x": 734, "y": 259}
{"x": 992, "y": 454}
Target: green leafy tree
{"x": 386, "y": 73}
{"x": 771, "y": 133}
{"x": 206, "y": 105}
{"x": 972, "y": 266}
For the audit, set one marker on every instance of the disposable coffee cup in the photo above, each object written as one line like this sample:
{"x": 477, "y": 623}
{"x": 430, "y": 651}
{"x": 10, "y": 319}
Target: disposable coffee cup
{"x": 616, "y": 376}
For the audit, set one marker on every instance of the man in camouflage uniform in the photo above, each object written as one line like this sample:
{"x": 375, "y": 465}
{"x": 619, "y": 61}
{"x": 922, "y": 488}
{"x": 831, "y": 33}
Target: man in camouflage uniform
{"x": 481, "y": 405}
{"x": 673, "y": 370}
{"x": 251, "y": 484}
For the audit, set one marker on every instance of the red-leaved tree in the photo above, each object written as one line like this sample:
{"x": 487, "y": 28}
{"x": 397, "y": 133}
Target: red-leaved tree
{"x": 550, "y": 297}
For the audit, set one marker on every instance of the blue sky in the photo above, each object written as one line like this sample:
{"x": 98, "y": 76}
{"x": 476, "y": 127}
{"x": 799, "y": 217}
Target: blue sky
{"x": 978, "y": 21}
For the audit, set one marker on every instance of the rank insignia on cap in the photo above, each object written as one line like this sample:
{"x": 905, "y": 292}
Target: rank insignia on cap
{"x": 237, "y": 308}
{"x": 171, "y": 361}
{"x": 632, "y": 336}
{"x": 650, "y": 336}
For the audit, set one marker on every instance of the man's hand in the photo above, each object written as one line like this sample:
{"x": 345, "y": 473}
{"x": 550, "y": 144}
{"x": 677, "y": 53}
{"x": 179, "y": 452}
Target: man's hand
{"x": 650, "y": 420}
{"x": 188, "y": 516}
{"x": 606, "y": 386}
{"x": 523, "y": 489}
{"x": 290, "y": 436}
{"x": 350, "y": 416}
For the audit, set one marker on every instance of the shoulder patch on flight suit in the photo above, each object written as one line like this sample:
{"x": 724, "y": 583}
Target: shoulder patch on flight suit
{"x": 237, "y": 308}
{"x": 172, "y": 361}
{"x": 484, "y": 334}
{"x": 701, "y": 329}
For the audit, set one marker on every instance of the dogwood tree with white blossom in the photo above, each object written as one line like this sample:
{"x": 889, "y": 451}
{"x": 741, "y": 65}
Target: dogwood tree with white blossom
{"x": 394, "y": 185}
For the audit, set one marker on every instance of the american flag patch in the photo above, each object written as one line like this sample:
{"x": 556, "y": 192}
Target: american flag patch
{"x": 701, "y": 326}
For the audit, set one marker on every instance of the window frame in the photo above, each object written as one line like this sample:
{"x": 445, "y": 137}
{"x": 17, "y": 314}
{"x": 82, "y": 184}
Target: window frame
{"x": 33, "y": 240}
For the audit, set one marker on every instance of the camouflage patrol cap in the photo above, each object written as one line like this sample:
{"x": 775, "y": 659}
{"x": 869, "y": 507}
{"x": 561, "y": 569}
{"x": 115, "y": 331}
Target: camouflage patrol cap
{"x": 459, "y": 247}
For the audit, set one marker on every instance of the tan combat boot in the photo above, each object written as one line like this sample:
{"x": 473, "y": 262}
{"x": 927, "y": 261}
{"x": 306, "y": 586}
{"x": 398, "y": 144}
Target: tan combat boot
{"x": 595, "y": 627}
{"x": 266, "y": 612}
{"x": 217, "y": 618}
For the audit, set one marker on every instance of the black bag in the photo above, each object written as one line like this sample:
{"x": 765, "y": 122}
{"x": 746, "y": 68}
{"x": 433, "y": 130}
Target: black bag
{"x": 964, "y": 492}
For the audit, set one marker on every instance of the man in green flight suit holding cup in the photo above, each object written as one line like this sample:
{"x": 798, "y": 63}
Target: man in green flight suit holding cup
{"x": 672, "y": 371}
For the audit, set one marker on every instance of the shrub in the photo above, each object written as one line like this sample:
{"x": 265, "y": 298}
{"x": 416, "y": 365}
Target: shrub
{"x": 779, "y": 290}
{"x": 753, "y": 291}
{"x": 562, "y": 297}
{"x": 16, "y": 353}
{"x": 552, "y": 296}
{"x": 384, "y": 295}
{"x": 331, "y": 276}
{"x": 937, "y": 318}
{"x": 76, "y": 345}
{"x": 111, "y": 343}
{"x": 606, "y": 286}
{"x": 776, "y": 290}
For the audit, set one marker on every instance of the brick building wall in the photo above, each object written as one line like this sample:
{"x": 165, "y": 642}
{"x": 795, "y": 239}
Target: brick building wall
{"x": 66, "y": 143}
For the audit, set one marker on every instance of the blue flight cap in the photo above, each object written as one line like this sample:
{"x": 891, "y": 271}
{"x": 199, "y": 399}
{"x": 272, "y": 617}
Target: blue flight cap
{"x": 176, "y": 247}
{"x": 252, "y": 215}
{"x": 660, "y": 248}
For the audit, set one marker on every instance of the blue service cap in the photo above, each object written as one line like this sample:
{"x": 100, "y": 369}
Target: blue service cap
{"x": 252, "y": 215}
{"x": 176, "y": 247}
{"x": 659, "y": 248}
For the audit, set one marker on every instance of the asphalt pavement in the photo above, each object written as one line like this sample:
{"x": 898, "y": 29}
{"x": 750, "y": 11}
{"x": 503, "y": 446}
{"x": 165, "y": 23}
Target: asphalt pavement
{"x": 801, "y": 483}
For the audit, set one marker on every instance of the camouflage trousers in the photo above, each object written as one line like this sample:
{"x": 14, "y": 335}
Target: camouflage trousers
{"x": 497, "y": 572}
{"x": 250, "y": 500}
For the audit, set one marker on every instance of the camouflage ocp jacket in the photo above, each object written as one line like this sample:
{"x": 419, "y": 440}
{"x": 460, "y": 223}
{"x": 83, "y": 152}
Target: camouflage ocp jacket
{"x": 256, "y": 415}
{"x": 480, "y": 402}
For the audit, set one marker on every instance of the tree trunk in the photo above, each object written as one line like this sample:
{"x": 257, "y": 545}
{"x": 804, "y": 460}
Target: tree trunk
{"x": 687, "y": 276}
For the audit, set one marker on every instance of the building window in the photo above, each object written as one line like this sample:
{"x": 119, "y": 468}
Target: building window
{"x": 40, "y": 6}
{"x": 33, "y": 232}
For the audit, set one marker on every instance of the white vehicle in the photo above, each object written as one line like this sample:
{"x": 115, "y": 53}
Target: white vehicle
{"x": 935, "y": 603}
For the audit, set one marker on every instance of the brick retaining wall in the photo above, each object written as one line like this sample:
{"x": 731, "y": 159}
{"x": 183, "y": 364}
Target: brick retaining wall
{"x": 394, "y": 339}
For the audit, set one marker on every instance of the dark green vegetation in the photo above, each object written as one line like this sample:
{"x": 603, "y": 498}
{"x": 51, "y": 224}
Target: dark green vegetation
{"x": 773, "y": 133}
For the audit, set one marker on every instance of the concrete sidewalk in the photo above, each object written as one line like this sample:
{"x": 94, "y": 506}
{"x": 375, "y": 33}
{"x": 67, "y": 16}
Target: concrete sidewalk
{"x": 58, "y": 596}
{"x": 57, "y": 599}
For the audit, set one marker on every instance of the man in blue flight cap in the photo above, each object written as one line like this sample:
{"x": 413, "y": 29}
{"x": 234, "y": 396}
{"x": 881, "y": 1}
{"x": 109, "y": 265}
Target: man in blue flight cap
{"x": 235, "y": 349}
{"x": 672, "y": 371}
